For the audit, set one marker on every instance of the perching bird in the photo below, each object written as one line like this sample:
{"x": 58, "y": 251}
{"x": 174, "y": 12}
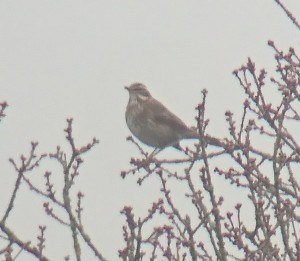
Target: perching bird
{"x": 151, "y": 122}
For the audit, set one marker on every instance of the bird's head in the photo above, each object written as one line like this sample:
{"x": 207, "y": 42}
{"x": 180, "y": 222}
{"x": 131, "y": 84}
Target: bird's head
{"x": 138, "y": 91}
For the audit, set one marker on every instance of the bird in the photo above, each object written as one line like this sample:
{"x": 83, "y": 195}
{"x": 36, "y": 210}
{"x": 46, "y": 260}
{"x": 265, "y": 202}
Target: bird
{"x": 151, "y": 122}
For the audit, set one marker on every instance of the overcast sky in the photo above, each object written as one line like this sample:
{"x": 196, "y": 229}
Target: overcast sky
{"x": 62, "y": 59}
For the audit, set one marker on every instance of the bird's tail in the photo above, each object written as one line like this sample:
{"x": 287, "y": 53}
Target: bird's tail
{"x": 208, "y": 139}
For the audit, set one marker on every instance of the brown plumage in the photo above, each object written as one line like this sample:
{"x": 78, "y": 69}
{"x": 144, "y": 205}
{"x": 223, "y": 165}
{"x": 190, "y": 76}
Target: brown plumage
{"x": 151, "y": 122}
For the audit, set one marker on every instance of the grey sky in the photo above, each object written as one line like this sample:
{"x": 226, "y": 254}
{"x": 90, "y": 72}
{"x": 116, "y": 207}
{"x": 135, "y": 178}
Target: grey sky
{"x": 62, "y": 59}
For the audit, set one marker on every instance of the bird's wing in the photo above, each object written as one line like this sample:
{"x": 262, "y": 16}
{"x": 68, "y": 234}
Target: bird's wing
{"x": 160, "y": 114}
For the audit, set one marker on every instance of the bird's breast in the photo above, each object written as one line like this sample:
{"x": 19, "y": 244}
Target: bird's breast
{"x": 134, "y": 117}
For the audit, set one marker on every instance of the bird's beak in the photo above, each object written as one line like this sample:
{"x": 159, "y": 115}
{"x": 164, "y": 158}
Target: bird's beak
{"x": 126, "y": 87}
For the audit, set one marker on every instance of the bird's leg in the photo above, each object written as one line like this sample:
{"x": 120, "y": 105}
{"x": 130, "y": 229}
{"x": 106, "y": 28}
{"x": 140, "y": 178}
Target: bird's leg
{"x": 146, "y": 162}
{"x": 186, "y": 151}
{"x": 153, "y": 153}
{"x": 175, "y": 145}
